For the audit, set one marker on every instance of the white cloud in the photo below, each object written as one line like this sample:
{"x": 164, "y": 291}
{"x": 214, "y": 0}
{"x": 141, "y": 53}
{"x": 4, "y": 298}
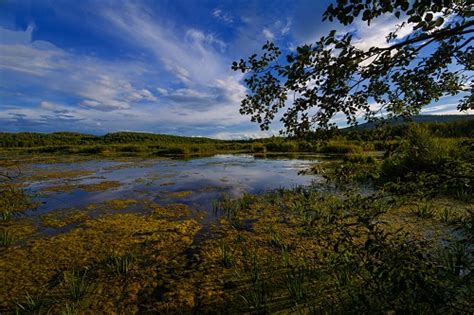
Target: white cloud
{"x": 47, "y": 105}
{"x": 198, "y": 39}
{"x": 268, "y": 34}
{"x": 39, "y": 63}
{"x": 375, "y": 34}
{"x": 221, "y": 15}
{"x": 243, "y": 135}
{"x": 444, "y": 109}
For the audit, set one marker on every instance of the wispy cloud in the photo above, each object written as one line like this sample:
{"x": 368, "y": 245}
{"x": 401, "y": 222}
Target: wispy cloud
{"x": 223, "y": 16}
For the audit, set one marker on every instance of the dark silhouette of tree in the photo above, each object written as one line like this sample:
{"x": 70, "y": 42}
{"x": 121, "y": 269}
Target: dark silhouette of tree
{"x": 334, "y": 76}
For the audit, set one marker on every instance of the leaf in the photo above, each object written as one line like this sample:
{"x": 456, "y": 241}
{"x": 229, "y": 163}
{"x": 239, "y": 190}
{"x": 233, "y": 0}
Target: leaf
{"x": 414, "y": 19}
{"x": 439, "y": 21}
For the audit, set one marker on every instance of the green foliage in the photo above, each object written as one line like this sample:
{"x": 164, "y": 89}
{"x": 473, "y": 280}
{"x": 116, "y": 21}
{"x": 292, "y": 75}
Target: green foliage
{"x": 341, "y": 148}
{"x": 13, "y": 201}
{"x": 226, "y": 255}
{"x": 334, "y": 76}
{"x": 5, "y": 238}
{"x": 362, "y": 265}
{"x": 32, "y": 304}
{"x": 120, "y": 264}
{"x": 76, "y": 285}
{"x": 427, "y": 164}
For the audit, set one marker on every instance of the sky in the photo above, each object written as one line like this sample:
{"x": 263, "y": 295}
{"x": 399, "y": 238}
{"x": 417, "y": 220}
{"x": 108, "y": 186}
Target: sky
{"x": 152, "y": 66}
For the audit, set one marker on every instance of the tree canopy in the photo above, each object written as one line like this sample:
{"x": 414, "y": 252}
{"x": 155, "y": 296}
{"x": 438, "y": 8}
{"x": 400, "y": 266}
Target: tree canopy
{"x": 317, "y": 81}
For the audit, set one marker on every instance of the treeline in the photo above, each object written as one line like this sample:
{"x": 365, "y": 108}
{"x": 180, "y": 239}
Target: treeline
{"x": 30, "y": 139}
{"x": 349, "y": 140}
{"x": 463, "y": 127}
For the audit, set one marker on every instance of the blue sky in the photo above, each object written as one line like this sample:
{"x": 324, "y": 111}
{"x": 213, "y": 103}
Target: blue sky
{"x": 154, "y": 66}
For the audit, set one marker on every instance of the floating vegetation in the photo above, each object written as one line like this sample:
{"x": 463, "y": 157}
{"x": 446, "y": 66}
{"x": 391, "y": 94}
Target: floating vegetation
{"x": 64, "y": 174}
{"x": 94, "y": 187}
{"x": 120, "y": 204}
{"x": 63, "y": 217}
{"x": 179, "y": 194}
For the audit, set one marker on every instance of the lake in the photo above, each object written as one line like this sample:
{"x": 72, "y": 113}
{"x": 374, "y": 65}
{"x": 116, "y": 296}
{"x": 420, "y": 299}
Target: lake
{"x": 195, "y": 182}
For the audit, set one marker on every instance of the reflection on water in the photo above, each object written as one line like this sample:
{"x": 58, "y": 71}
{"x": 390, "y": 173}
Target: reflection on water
{"x": 195, "y": 182}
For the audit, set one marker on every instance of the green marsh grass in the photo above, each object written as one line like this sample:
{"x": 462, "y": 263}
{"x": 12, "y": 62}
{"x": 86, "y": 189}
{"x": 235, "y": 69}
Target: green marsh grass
{"x": 76, "y": 285}
{"x": 226, "y": 256}
{"x": 32, "y": 304}
{"x": 6, "y": 238}
{"x": 424, "y": 210}
{"x": 121, "y": 264}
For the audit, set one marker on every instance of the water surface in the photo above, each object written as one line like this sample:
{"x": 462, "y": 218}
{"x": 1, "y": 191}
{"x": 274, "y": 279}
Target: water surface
{"x": 194, "y": 182}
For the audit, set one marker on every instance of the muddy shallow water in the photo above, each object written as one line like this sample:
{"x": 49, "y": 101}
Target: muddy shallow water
{"x": 194, "y": 182}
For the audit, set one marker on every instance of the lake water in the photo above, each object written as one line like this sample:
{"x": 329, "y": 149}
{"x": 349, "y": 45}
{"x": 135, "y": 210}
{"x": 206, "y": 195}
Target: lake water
{"x": 194, "y": 182}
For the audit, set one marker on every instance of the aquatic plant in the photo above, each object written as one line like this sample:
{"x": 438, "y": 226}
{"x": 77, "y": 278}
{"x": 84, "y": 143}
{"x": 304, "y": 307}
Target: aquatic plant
{"x": 120, "y": 264}
{"x": 424, "y": 210}
{"x": 226, "y": 256}
{"x": 5, "y": 238}
{"x": 295, "y": 279}
{"x": 32, "y": 304}
{"x": 77, "y": 285}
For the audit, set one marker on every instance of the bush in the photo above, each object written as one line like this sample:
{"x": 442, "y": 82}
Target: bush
{"x": 341, "y": 148}
{"x": 427, "y": 164}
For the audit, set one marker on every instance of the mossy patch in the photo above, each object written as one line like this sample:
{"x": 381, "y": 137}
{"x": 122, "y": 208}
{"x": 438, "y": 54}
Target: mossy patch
{"x": 120, "y": 204}
{"x": 94, "y": 187}
{"x": 63, "y": 217}
{"x": 175, "y": 210}
{"x": 65, "y": 174}
{"x": 44, "y": 263}
{"x": 19, "y": 229}
{"x": 178, "y": 194}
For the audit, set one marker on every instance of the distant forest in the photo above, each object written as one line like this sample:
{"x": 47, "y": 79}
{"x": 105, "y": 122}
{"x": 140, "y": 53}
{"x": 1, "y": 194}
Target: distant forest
{"x": 366, "y": 137}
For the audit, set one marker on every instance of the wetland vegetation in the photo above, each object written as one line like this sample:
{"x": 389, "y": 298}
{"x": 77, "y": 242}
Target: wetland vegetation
{"x": 360, "y": 231}
{"x": 374, "y": 218}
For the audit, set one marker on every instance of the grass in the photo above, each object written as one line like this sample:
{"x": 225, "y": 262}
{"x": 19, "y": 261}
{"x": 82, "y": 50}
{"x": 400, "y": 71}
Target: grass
{"x": 6, "y": 239}
{"x": 76, "y": 285}
{"x": 305, "y": 251}
{"x": 424, "y": 210}
{"x": 121, "y": 264}
{"x": 295, "y": 279}
{"x": 32, "y": 304}
{"x": 226, "y": 255}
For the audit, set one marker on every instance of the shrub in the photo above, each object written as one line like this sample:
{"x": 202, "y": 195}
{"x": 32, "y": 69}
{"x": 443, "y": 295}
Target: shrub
{"x": 341, "y": 148}
{"x": 429, "y": 165}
